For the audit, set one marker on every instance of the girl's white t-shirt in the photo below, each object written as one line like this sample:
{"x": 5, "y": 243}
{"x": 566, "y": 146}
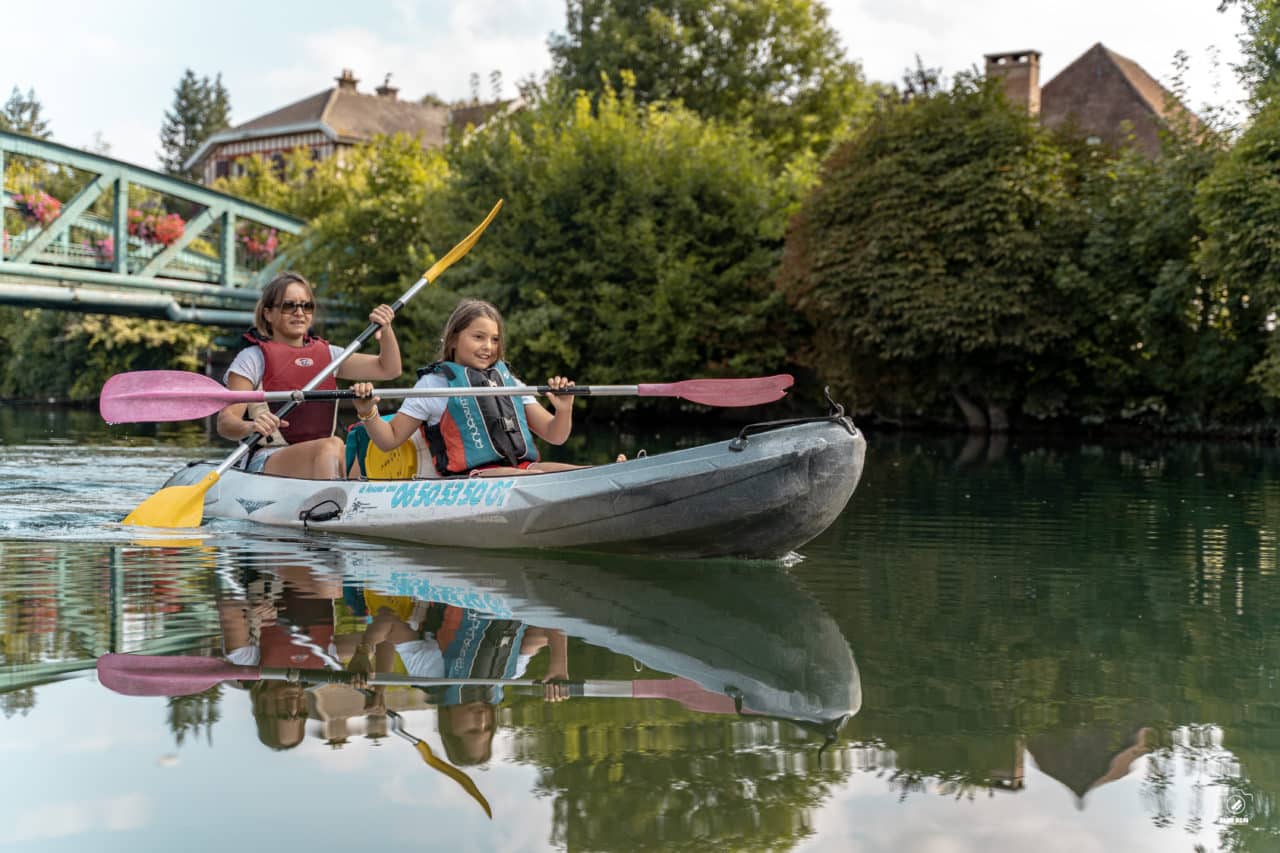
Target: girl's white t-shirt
{"x": 251, "y": 363}
{"x": 430, "y": 410}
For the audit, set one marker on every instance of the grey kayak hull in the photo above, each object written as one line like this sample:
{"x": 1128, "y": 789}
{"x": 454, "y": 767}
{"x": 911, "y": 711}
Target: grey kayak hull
{"x": 773, "y": 494}
{"x": 745, "y": 630}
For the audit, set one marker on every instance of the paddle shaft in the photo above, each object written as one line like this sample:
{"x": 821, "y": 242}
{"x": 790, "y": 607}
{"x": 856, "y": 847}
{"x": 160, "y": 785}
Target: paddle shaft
{"x": 251, "y": 440}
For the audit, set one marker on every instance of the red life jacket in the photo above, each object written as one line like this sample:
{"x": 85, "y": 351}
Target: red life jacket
{"x": 288, "y": 369}
{"x": 278, "y": 647}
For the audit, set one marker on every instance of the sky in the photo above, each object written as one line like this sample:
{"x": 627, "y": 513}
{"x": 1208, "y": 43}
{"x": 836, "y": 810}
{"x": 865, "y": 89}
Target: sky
{"x": 105, "y": 72}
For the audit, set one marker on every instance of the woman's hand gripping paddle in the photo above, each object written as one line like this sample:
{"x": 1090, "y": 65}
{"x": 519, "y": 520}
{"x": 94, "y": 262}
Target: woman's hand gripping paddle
{"x": 183, "y": 506}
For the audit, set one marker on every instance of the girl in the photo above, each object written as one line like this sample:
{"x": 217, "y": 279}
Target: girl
{"x": 283, "y": 356}
{"x": 474, "y": 436}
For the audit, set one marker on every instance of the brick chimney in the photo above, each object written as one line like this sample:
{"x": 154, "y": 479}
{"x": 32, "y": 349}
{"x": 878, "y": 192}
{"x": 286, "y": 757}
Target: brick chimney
{"x": 346, "y": 80}
{"x": 1020, "y": 74}
{"x": 386, "y": 90}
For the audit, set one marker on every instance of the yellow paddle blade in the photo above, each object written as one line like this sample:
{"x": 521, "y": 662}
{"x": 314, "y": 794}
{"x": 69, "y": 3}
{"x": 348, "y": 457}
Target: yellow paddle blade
{"x": 456, "y": 775}
{"x": 400, "y": 463}
{"x": 463, "y": 247}
{"x": 176, "y": 506}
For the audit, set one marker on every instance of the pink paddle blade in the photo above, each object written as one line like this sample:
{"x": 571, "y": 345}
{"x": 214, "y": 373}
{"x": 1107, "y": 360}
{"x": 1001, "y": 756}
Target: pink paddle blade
{"x": 724, "y": 392}
{"x": 165, "y": 395}
{"x": 688, "y": 693}
{"x": 159, "y": 675}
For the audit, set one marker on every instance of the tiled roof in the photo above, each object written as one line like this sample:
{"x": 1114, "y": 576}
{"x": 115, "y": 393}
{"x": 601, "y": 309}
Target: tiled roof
{"x": 344, "y": 115}
{"x": 309, "y": 109}
{"x": 356, "y": 117}
{"x": 1110, "y": 98}
{"x": 1161, "y": 100}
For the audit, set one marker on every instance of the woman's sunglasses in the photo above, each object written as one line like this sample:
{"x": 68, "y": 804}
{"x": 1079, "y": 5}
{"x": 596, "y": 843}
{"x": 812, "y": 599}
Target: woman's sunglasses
{"x": 291, "y": 307}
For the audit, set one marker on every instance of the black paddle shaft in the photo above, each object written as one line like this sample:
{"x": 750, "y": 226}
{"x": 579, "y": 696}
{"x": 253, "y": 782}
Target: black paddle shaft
{"x": 348, "y": 394}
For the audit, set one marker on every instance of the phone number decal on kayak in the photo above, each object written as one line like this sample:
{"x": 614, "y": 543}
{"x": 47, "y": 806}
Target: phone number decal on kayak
{"x": 473, "y": 492}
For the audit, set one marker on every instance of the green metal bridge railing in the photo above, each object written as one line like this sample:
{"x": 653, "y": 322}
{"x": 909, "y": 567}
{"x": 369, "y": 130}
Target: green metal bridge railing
{"x": 191, "y": 280}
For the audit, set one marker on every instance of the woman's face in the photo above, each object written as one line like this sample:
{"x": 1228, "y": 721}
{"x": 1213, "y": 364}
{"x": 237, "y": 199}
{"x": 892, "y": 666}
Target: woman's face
{"x": 477, "y": 345}
{"x": 291, "y": 316}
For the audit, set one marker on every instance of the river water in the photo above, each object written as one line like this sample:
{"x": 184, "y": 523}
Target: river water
{"x": 996, "y": 647}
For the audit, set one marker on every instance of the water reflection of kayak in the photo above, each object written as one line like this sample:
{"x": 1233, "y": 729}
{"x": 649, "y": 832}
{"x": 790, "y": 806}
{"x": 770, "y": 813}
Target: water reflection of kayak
{"x": 758, "y": 497}
{"x": 748, "y": 632}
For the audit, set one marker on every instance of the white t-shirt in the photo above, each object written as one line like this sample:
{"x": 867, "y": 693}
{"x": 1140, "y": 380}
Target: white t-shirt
{"x": 424, "y": 659}
{"x": 251, "y": 363}
{"x": 430, "y": 410}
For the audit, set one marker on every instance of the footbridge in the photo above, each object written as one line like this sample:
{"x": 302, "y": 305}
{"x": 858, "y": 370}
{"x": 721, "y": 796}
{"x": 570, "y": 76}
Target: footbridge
{"x": 84, "y": 232}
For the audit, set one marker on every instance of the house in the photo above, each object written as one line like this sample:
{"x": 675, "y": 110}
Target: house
{"x": 1102, "y": 95}
{"x": 331, "y": 122}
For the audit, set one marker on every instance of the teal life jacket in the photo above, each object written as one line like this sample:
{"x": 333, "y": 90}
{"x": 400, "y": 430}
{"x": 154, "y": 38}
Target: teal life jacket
{"x": 476, "y": 431}
{"x": 475, "y": 645}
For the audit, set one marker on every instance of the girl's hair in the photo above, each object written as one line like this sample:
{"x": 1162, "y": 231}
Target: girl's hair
{"x": 272, "y": 295}
{"x": 464, "y": 315}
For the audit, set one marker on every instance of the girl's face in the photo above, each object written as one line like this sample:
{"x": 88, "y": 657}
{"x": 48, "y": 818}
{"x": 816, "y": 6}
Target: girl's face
{"x": 477, "y": 346}
{"x": 292, "y": 315}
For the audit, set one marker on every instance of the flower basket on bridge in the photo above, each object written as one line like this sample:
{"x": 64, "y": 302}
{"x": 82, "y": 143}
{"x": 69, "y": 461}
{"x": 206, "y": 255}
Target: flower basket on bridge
{"x": 259, "y": 242}
{"x": 104, "y": 249}
{"x": 162, "y": 228}
{"x": 37, "y": 207}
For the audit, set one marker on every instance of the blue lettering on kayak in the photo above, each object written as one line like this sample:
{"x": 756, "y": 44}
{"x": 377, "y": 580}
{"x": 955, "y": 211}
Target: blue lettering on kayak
{"x": 449, "y": 494}
{"x": 474, "y": 492}
{"x": 429, "y": 493}
{"x": 416, "y": 586}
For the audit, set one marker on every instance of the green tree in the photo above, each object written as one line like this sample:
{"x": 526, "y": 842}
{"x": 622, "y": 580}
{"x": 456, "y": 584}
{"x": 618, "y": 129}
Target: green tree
{"x": 638, "y": 243}
{"x": 926, "y": 259}
{"x": 777, "y": 64}
{"x": 373, "y": 220}
{"x": 1259, "y": 69}
{"x": 67, "y": 355}
{"x": 201, "y": 108}
{"x": 1240, "y": 256}
{"x": 23, "y": 114}
{"x": 1153, "y": 345}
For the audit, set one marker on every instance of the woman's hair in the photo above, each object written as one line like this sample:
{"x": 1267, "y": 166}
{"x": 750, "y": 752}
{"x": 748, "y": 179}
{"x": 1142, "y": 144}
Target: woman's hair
{"x": 468, "y": 311}
{"x": 272, "y": 295}
{"x": 466, "y": 748}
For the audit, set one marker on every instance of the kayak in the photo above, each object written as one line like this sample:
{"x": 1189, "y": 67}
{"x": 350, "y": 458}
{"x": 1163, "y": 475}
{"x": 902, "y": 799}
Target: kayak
{"x": 760, "y": 495}
{"x": 748, "y": 634}
{"x": 737, "y": 637}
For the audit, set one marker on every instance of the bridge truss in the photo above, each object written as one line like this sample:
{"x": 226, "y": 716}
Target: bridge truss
{"x": 93, "y": 252}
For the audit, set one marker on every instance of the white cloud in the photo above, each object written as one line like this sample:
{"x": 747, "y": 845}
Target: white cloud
{"x": 62, "y": 820}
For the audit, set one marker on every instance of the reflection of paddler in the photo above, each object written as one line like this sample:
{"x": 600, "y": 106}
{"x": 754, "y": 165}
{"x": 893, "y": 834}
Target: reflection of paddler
{"x": 442, "y": 641}
{"x": 277, "y": 621}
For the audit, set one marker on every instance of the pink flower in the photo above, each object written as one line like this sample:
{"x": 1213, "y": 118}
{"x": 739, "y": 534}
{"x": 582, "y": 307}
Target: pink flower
{"x": 38, "y": 206}
{"x": 259, "y": 243}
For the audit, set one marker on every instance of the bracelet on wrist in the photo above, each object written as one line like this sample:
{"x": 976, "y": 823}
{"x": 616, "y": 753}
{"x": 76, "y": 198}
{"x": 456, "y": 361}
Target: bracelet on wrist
{"x": 373, "y": 413}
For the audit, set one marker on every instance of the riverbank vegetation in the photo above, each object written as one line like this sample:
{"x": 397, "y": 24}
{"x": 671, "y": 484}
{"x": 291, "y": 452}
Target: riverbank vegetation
{"x": 929, "y": 251}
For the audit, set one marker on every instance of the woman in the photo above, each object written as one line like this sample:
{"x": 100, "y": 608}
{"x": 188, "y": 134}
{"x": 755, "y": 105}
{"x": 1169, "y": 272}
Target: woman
{"x": 284, "y": 356}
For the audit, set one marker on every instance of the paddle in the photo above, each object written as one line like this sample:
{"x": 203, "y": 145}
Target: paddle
{"x": 397, "y": 728}
{"x": 183, "y": 506}
{"x": 182, "y": 675}
{"x": 173, "y": 395}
